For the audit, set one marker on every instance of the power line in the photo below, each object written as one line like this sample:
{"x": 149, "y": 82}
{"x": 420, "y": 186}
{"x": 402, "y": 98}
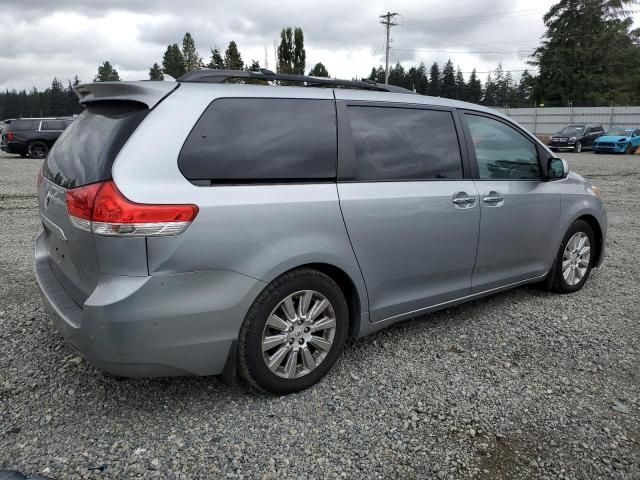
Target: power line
{"x": 481, "y": 17}
{"x": 386, "y": 21}
{"x": 527, "y": 52}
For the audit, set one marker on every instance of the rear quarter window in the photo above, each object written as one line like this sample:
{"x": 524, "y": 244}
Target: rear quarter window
{"x": 257, "y": 140}
{"x": 22, "y": 125}
{"x": 86, "y": 150}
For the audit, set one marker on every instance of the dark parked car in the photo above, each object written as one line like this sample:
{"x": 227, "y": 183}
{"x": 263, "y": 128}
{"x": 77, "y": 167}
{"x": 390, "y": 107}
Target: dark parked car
{"x": 576, "y": 137}
{"x": 32, "y": 137}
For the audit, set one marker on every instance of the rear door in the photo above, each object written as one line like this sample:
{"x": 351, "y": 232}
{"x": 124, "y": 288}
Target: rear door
{"x": 83, "y": 155}
{"x": 411, "y": 214}
{"x": 519, "y": 210}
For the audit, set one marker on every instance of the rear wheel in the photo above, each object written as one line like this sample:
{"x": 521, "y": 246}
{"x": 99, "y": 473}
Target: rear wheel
{"x": 293, "y": 333}
{"x": 575, "y": 258}
{"x": 38, "y": 149}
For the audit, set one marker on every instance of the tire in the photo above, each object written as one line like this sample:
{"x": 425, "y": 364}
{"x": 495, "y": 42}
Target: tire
{"x": 629, "y": 150}
{"x": 561, "y": 283}
{"x": 296, "y": 339}
{"x": 578, "y": 147}
{"x": 38, "y": 149}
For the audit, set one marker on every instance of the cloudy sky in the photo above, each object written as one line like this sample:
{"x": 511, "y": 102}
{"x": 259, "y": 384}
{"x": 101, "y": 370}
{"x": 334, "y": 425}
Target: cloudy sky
{"x": 46, "y": 38}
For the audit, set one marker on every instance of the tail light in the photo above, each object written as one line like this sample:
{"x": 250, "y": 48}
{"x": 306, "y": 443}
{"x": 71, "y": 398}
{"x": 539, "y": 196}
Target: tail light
{"x": 101, "y": 208}
{"x": 10, "y": 136}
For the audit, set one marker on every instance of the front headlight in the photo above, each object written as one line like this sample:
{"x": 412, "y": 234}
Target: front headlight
{"x": 597, "y": 191}
{"x": 622, "y": 140}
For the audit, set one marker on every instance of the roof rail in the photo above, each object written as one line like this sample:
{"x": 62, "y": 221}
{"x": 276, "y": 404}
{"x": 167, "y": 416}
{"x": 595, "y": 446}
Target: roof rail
{"x": 220, "y": 76}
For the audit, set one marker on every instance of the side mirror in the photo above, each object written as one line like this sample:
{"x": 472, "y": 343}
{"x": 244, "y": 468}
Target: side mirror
{"x": 557, "y": 169}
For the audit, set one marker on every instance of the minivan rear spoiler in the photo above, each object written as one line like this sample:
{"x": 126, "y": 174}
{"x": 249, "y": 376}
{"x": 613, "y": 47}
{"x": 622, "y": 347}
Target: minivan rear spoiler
{"x": 148, "y": 92}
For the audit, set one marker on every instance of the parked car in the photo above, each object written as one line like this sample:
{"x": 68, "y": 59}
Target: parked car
{"x": 33, "y": 137}
{"x": 577, "y": 137}
{"x": 618, "y": 140}
{"x": 4, "y": 125}
{"x": 202, "y": 227}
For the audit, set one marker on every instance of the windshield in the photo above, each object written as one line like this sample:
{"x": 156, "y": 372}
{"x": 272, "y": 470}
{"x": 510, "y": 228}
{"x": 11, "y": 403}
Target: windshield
{"x": 572, "y": 131}
{"x": 619, "y": 132}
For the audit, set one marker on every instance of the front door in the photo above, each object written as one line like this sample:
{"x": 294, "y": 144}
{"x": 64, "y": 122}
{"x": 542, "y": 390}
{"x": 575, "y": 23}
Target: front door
{"x": 411, "y": 216}
{"x": 519, "y": 210}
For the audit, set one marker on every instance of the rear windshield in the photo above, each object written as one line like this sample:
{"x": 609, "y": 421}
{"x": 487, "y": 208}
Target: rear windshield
{"x": 85, "y": 152}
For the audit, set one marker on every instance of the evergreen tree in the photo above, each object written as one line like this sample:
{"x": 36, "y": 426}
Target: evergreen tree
{"x": 377, "y": 74}
{"x": 589, "y": 54}
{"x": 232, "y": 57}
{"x": 461, "y": 87}
{"x": 216, "y": 62}
{"x": 190, "y": 57}
{"x": 525, "y": 93}
{"x": 398, "y": 77}
{"x": 57, "y": 98}
{"x": 299, "y": 53}
{"x": 173, "y": 62}
{"x": 255, "y": 66}
{"x": 474, "y": 88}
{"x": 285, "y": 51}
{"x": 319, "y": 70}
{"x": 435, "y": 80}
{"x": 448, "y": 88}
{"x": 418, "y": 80}
{"x": 155, "y": 72}
{"x": 490, "y": 92}
{"x": 106, "y": 73}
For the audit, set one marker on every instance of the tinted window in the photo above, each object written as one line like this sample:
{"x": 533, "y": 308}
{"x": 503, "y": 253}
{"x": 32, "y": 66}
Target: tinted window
{"x": 404, "y": 144}
{"x": 85, "y": 151}
{"x": 54, "y": 125}
{"x": 22, "y": 125}
{"x": 502, "y": 152}
{"x": 263, "y": 139}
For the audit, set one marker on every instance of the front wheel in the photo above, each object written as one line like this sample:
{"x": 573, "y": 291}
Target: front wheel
{"x": 629, "y": 150}
{"x": 578, "y": 147}
{"x": 575, "y": 258}
{"x": 293, "y": 333}
{"x": 38, "y": 149}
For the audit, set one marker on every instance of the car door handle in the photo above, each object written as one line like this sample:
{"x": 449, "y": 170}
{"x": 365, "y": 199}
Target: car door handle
{"x": 463, "y": 199}
{"x": 493, "y": 197}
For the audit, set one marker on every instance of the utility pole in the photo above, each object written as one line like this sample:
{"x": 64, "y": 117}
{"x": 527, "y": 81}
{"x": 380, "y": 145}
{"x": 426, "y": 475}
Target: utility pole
{"x": 386, "y": 21}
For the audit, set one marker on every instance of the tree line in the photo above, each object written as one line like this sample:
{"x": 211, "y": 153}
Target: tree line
{"x": 499, "y": 89}
{"x": 588, "y": 56}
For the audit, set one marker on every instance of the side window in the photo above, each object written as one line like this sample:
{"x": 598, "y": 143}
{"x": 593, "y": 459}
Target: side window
{"x": 404, "y": 144}
{"x": 23, "y": 125}
{"x": 262, "y": 140}
{"x": 55, "y": 125}
{"x": 502, "y": 152}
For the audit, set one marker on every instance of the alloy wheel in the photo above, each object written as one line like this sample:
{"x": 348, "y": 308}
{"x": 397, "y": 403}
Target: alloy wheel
{"x": 298, "y": 334}
{"x": 576, "y": 258}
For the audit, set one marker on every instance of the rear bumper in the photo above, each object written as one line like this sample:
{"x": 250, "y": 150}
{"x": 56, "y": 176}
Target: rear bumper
{"x": 176, "y": 324}
{"x": 16, "y": 148}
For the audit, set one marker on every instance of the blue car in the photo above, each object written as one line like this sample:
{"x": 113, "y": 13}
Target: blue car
{"x": 618, "y": 140}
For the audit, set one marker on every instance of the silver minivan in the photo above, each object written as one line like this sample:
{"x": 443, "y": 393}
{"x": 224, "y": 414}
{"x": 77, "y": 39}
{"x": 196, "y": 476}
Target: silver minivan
{"x": 226, "y": 224}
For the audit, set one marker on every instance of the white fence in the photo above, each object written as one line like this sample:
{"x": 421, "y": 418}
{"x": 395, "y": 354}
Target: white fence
{"x": 547, "y": 121}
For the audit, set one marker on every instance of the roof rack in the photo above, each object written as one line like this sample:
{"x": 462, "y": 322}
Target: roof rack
{"x": 220, "y": 76}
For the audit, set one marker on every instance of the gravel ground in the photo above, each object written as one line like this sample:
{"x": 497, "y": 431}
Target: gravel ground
{"x": 524, "y": 384}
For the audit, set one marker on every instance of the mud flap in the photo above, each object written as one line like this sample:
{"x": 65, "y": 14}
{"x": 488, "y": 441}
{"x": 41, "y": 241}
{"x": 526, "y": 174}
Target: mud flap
{"x": 229, "y": 375}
